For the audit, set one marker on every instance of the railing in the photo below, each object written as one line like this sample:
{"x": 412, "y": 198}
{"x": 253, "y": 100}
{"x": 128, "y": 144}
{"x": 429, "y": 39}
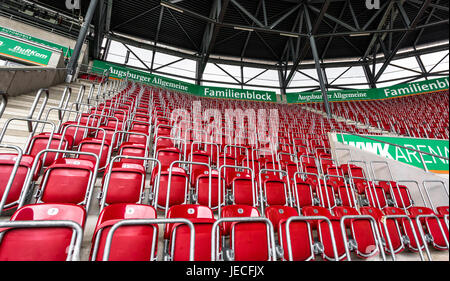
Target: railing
{"x": 421, "y": 153}
{"x": 3, "y": 103}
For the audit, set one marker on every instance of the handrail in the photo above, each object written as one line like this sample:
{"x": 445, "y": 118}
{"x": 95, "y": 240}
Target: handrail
{"x": 33, "y": 107}
{"x": 396, "y": 145}
{"x": 3, "y": 103}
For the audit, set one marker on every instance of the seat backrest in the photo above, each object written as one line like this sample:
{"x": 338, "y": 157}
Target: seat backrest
{"x": 276, "y": 214}
{"x": 371, "y": 211}
{"x": 236, "y": 211}
{"x": 416, "y": 211}
{"x": 345, "y": 211}
{"x": 442, "y": 210}
{"x": 311, "y": 211}
{"x": 43, "y": 243}
{"x": 42, "y": 212}
{"x": 131, "y": 243}
{"x": 187, "y": 212}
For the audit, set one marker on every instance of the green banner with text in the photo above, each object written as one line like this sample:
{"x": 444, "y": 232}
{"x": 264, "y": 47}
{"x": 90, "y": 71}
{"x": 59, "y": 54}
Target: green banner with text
{"x": 389, "y": 151}
{"x": 24, "y": 52}
{"x": 401, "y": 90}
{"x": 67, "y": 51}
{"x": 121, "y": 72}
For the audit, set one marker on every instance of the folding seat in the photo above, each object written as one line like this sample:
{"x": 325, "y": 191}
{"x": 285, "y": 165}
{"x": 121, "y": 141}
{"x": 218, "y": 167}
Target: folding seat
{"x": 406, "y": 229}
{"x": 138, "y": 137}
{"x": 432, "y": 227}
{"x": 357, "y": 177}
{"x": 326, "y": 161}
{"x": 134, "y": 150}
{"x": 130, "y": 243}
{"x": 123, "y": 183}
{"x": 442, "y": 210}
{"x": 291, "y": 168}
{"x": 236, "y": 211}
{"x": 303, "y": 193}
{"x": 109, "y": 133}
{"x": 387, "y": 185}
{"x": 168, "y": 155}
{"x": 376, "y": 197}
{"x": 96, "y": 146}
{"x": 116, "y": 124}
{"x": 199, "y": 157}
{"x": 76, "y": 133}
{"x": 140, "y": 126}
{"x": 43, "y": 243}
{"x": 285, "y": 155}
{"x": 308, "y": 162}
{"x": 395, "y": 235}
{"x": 7, "y": 162}
{"x": 242, "y": 188}
{"x": 67, "y": 180}
{"x": 401, "y": 196}
{"x": 179, "y": 186}
{"x": 211, "y": 150}
{"x": 275, "y": 190}
{"x": 226, "y": 159}
{"x": 202, "y": 189}
{"x": 324, "y": 232}
{"x": 361, "y": 231}
{"x": 163, "y": 142}
{"x": 346, "y": 195}
{"x": 271, "y": 163}
{"x": 327, "y": 195}
{"x": 301, "y": 238}
{"x": 301, "y": 150}
{"x": 142, "y": 115}
{"x": 40, "y": 142}
{"x": 179, "y": 234}
{"x": 251, "y": 241}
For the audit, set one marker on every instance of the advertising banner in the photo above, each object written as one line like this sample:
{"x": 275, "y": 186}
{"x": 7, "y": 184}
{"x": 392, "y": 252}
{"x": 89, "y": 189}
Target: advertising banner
{"x": 433, "y": 146}
{"x": 67, "y": 51}
{"x": 121, "y": 72}
{"x": 24, "y": 52}
{"x": 401, "y": 90}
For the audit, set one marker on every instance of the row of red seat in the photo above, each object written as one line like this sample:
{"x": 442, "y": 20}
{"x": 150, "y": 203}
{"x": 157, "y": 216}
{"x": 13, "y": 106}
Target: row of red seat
{"x": 419, "y": 116}
{"x": 118, "y": 135}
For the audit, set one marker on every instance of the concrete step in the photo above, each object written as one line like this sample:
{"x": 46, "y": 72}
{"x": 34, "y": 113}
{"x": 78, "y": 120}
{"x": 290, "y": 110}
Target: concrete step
{"x": 19, "y": 107}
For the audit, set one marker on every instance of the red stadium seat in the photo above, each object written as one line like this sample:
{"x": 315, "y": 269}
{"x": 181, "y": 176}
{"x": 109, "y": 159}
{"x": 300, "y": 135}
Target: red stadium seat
{"x": 130, "y": 243}
{"x": 40, "y": 244}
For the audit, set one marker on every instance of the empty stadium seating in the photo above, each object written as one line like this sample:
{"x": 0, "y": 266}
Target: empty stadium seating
{"x": 266, "y": 204}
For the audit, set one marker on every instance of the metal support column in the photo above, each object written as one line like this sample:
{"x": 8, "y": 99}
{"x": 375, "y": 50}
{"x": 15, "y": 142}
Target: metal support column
{"x": 313, "y": 45}
{"x": 73, "y": 63}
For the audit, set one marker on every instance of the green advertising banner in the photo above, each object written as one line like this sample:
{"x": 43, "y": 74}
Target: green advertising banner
{"x": 67, "y": 51}
{"x": 402, "y": 90}
{"x": 120, "y": 72}
{"x": 433, "y": 146}
{"x": 24, "y": 52}
{"x": 216, "y": 92}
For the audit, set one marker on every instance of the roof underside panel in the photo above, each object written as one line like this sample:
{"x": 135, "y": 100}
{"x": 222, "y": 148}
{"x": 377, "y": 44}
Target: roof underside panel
{"x": 140, "y": 19}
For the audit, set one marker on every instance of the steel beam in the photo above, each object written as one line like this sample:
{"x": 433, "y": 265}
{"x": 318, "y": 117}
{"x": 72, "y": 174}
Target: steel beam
{"x": 311, "y": 31}
{"x": 412, "y": 25}
{"x": 312, "y": 41}
{"x": 73, "y": 62}
{"x": 210, "y": 35}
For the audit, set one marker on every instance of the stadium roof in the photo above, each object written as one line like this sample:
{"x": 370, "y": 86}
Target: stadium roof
{"x": 272, "y": 33}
